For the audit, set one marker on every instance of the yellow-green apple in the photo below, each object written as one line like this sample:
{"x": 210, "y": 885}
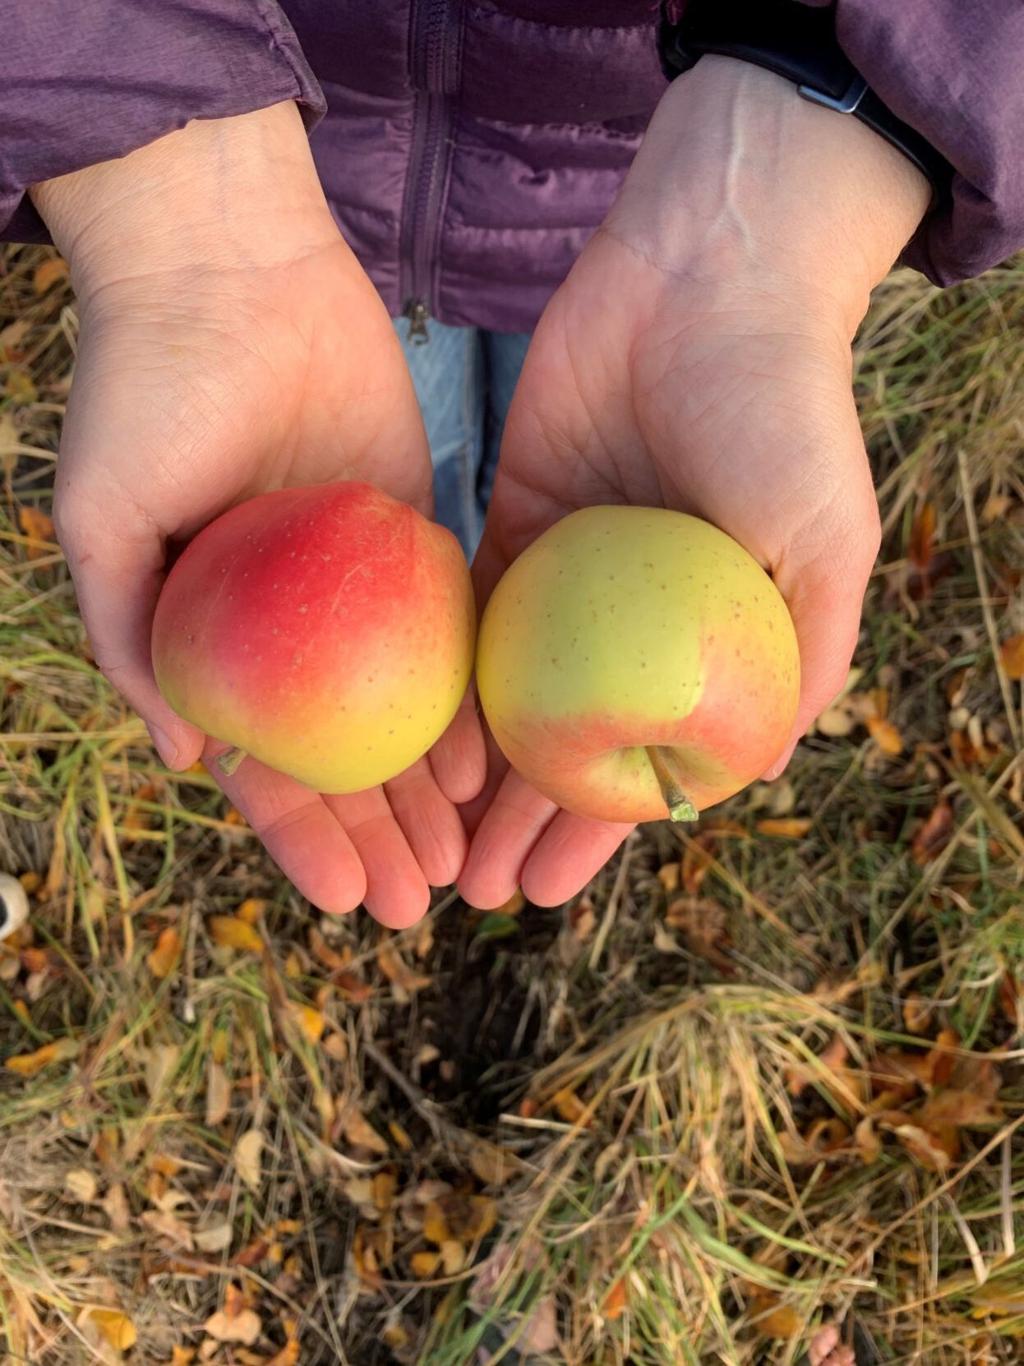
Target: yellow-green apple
{"x": 637, "y": 662}
{"x": 327, "y": 631}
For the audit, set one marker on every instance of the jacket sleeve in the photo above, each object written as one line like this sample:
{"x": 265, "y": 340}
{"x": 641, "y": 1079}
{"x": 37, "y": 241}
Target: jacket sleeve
{"x": 86, "y": 82}
{"x": 955, "y": 72}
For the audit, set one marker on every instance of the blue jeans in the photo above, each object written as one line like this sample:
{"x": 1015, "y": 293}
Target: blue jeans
{"x": 464, "y": 378}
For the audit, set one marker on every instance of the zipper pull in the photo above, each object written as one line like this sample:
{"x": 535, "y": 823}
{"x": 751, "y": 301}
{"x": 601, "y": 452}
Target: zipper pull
{"x": 417, "y": 313}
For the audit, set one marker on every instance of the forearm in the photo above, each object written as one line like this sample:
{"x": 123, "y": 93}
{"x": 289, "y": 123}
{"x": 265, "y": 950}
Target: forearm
{"x": 740, "y": 179}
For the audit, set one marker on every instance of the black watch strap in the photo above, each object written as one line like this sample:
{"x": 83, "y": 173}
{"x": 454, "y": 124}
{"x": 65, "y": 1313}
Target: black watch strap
{"x": 797, "y": 41}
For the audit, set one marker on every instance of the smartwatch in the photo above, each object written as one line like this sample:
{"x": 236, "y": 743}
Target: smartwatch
{"x": 796, "y": 41}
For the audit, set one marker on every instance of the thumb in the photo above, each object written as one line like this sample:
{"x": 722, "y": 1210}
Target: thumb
{"x": 116, "y": 555}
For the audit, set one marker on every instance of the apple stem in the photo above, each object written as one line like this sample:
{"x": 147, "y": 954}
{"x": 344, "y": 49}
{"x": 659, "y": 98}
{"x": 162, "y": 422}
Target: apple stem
{"x": 228, "y": 761}
{"x": 680, "y": 808}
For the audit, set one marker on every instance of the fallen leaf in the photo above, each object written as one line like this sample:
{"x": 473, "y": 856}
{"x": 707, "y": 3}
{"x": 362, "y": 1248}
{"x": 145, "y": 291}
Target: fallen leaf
{"x": 568, "y": 1106}
{"x": 383, "y": 1187}
{"x": 218, "y": 1094}
{"x": 513, "y": 905}
{"x": 29, "y": 1064}
{"x": 825, "y": 1138}
{"x": 704, "y": 927}
{"x": 182, "y": 1356}
{"x": 424, "y": 1264}
{"x": 168, "y": 1226}
{"x": 833, "y": 1058}
{"x": 885, "y": 735}
{"x": 244, "y": 1327}
{"x": 935, "y": 1149}
{"x": 491, "y": 1164}
{"x": 1011, "y": 656}
{"x": 48, "y": 273}
{"x": 361, "y": 1134}
{"x": 617, "y": 1300}
{"x": 311, "y": 1022}
{"x": 787, "y": 828}
{"x": 836, "y": 721}
{"x": 109, "y": 1326}
{"x": 164, "y": 958}
{"x": 459, "y": 1217}
{"x": 696, "y": 862}
{"x": 115, "y": 1207}
{"x": 160, "y": 1066}
{"x": 917, "y": 1014}
{"x": 668, "y": 876}
{"x": 922, "y": 536}
{"x": 80, "y": 1184}
{"x": 228, "y": 932}
{"x": 20, "y": 388}
{"x": 933, "y": 835}
{"x": 247, "y": 1158}
{"x": 395, "y": 1336}
{"x": 1010, "y": 992}
{"x": 453, "y": 1257}
{"x": 251, "y": 909}
{"x": 401, "y": 1138}
{"x": 540, "y": 1332}
{"x": 353, "y": 988}
{"x": 772, "y": 1319}
{"x": 398, "y": 972}
{"x": 215, "y": 1238}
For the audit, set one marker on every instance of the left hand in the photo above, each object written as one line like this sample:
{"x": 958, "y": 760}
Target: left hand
{"x": 698, "y": 358}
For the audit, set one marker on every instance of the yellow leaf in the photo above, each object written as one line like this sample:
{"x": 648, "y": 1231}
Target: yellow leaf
{"x": 48, "y": 272}
{"x": 1011, "y": 656}
{"x": 513, "y": 905}
{"x": 228, "y": 932}
{"x": 20, "y": 387}
{"x": 774, "y": 1320}
{"x": 786, "y": 828}
{"x": 618, "y": 1300}
{"x": 218, "y": 1094}
{"x": 38, "y": 527}
{"x": 401, "y": 1138}
{"x": 251, "y": 909}
{"x": 182, "y": 1356}
{"x": 247, "y": 1158}
{"x": 453, "y": 1256}
{"x": 245, "y": 1326}
{"x": 424, "y": 1264}
{"x": 361, "y": 1134}
{"x": 110, "y": 1326}
{"x": 384, "y": 1186}
{"x": 885, "y": 735}
{"x": 310, "y": 1021}
{"x": 29, "y": 1064}
{"x": 568, "y": 1106}
{"x": 164, "y": 957}
{"x": 288, "y": 1355}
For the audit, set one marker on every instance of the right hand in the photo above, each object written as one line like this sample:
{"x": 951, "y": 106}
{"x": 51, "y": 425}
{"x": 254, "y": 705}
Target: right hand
{"x": 230, "y": 343}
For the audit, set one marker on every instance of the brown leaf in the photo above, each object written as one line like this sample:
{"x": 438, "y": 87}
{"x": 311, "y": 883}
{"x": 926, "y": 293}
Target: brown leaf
{"x": 1010, "y": 992}
{"x": 48, "y": 273}
{"x": 228, "y": 932}
{"x": 833, "y": 1058}
{"x": 115, "y": 1207}
{"x": 215, "y": 1238}
{"x": 885, "y": 735}
{"x": 402, "y": 1139}
{"x": 35, "y": 523}
{"x": 398, "y": 972}
{"x": 29, "y": 1064}
{"x": 917, "y": 1013}
{"x": 704, "y": 927}
{"x": 164, "y": 958}
{"x": 1011, "y": 656}
{"x": 933, "y": 835}
{"x": 773, "y": 1319}
{"x": 244, "y": 1327}
{"x": 163, "y": 1223}
{"x": 218, "y": 1094}
{"x": 20, "y": 388}
{"x": 787, "y": 827}
{"x": 936, "y": 1149}
{"x": 491, "y": 1164}
{"x": 161, "y": 1063}
{"x": 361, "y": 1134}
{"x": 383, "y": 1186}
{"x": 696, "y": 863}
{"x": 352, "y": 987}
{"x": 247, "y": 1158}
{"x": 459, "y": 1217}
{"x": 668, "y": 876}
{"x": 922, "y": 537}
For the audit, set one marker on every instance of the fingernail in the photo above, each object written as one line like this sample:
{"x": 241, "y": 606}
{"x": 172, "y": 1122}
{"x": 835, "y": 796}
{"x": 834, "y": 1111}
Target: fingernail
{"x": 165, "y": 746}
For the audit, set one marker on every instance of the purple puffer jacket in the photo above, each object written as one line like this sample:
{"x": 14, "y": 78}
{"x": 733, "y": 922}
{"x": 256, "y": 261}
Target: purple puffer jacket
{"x": 468, "y": 148}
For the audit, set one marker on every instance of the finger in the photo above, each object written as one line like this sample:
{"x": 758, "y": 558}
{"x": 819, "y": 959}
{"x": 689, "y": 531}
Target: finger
{"x": 473, "y": 812}
{"x": 459, "y": 759}
{"x": 430, "y": 823}
{"x": 300, "y": 833}
{"x": 118, "y": 575}
{"x": 567, "y": 855}
{"x": 396, "y": 890}
{"x": 513, "y": 823}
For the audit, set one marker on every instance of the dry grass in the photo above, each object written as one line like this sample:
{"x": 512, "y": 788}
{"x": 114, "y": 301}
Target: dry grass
{"x": 702, "y": 1109}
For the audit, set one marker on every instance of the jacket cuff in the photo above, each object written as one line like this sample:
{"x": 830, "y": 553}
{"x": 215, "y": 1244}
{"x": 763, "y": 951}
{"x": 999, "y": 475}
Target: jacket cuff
{"x": 953, "y": 72}
{"x": 89, "y": 83}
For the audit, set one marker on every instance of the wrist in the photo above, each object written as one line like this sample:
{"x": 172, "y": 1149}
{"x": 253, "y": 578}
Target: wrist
{"x": 742, "y": 184}
{"x": 216, "y": 194}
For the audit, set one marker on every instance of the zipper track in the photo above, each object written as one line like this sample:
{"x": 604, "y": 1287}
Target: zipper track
{"x": 435, "y": 42}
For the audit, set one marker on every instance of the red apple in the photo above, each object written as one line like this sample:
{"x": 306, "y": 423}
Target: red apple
{"x": 327, "y": 631}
